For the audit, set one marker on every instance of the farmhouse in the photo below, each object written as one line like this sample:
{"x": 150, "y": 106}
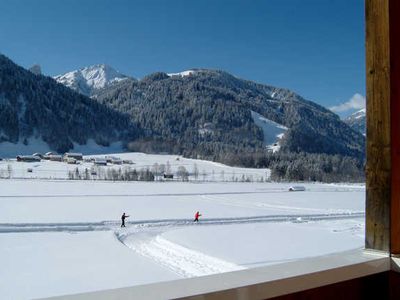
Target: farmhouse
{"x": 38, "y": 155}
{"x": 77, "y": 156}
{"x": 54, "y": 157}
{"x": 116, "y": 161}
{"x": 100, "y": 161}
{"x": 28, "y": 158}
{"x": 71, "y": 161}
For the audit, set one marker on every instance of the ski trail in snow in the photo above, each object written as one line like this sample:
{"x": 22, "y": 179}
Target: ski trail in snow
{"x": 145, "y": 238}
{"x": 144, "y": 224}
{"x": 262, "y": 205}
{"x": 181, "y": 260}
{"x": 259, "y": 191}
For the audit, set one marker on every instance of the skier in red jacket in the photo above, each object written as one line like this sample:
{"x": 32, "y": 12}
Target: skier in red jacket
{"x": 196, "y": 217}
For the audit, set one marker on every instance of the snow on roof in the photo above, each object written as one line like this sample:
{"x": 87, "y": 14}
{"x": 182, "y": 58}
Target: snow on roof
{"x": 72, "y": 154}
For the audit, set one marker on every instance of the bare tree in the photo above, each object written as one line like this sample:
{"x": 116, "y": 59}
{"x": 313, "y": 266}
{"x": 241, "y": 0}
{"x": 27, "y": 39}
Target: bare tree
{"x": 168, "y": 168}
{"x": 204, "y": 174}
{"x": 182, "y": 173}
{"x": 195, "y": 171}
{"x": 162, "y": 168}
{"x": 9, "y": 171}
{"x": 155, "y": 169}
{"x": 222, "y": 175}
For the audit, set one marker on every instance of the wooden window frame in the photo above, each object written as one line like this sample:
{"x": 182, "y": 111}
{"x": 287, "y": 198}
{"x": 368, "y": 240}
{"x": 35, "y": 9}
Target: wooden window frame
{"x": 383, "y": 126}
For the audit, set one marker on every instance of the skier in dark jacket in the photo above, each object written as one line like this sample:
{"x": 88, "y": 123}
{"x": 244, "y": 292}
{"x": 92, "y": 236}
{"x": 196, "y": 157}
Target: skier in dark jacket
{"x": 123, "y": 217}
{"x": 196, "y": 217}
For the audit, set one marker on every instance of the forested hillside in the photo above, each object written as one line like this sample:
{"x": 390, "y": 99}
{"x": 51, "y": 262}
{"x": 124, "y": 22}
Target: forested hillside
{"x": 37, "y": 106}
{"x": 207, "y": 113}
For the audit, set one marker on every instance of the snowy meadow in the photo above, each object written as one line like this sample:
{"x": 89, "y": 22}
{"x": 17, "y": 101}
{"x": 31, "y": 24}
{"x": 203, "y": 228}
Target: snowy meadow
{"x": 62, "y": 236}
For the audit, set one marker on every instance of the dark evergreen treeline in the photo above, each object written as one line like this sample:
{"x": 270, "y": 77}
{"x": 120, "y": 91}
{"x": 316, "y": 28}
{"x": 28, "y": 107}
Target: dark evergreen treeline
{"x": 317, "y": 167}
{"x": 36, "y": 105}
{"x": 286, "y": 166}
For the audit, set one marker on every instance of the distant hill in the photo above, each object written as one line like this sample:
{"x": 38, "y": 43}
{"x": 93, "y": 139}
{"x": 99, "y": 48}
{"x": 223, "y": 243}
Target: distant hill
{"x": 357, "y": 121}
{"x": 209, "y": 113}
{"x": 36, "y": 106}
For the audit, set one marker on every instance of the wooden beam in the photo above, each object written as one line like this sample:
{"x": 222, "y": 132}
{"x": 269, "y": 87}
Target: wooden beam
{"x": 378, "y": 167}
{"x": 394, "y": 28}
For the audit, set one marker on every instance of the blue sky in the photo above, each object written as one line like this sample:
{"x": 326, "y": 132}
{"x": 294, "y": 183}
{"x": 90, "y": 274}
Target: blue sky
{"x": 314, "y": 47}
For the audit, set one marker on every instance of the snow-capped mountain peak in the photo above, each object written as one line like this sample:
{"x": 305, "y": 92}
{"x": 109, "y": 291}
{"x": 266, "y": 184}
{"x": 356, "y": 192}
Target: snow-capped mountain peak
{"x": 87, "y": 79}
{"x": 360, "y": 114}
{"x": 357, "y": 115}
{"x": 357, "y": 121}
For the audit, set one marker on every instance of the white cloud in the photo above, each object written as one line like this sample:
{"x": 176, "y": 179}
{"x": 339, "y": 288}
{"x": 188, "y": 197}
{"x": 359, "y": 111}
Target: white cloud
{"x": 355, "y": 102}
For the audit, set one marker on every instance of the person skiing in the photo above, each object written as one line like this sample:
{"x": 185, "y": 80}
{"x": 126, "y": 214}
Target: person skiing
{"x": 123, "y": 217}
{"x": 196, "y": 217}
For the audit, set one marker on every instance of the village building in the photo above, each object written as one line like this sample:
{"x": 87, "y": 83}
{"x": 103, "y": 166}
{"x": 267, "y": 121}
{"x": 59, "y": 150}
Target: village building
{"x": 77, "y": 156}
{"x": 100, "y": 161}
{"x": 71, "y": 161}
{"x": 55, "y": 157}
{"x": 116, "y": 161}
{"x": 28, "y": 158}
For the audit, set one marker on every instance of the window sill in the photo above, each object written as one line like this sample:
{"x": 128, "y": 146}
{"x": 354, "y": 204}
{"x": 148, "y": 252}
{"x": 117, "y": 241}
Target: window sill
{"x": 258, "y": 283}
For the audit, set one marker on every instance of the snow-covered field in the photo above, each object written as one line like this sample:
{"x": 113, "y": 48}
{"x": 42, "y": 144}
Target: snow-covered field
{"x": 206, "y": 170}
{"x": 62, "y": 236}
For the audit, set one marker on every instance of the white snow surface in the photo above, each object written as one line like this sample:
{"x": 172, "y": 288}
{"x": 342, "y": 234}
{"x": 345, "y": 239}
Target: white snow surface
{"x": 264, "y": 245}
{"x": 181, "y": 260}
{"x": 183, "y": 73}
{"x": 42, "y": 264}
{"x": 273, "y": 132}
{"x": 93, "y": 77}
{"x": 63, "y": 237}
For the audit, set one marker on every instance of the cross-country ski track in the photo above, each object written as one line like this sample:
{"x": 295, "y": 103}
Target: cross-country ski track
{"x": 145, "y": 238}
{"x": 168, "y": 223}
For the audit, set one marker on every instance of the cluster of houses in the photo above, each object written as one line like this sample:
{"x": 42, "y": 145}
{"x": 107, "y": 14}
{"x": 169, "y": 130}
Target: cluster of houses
{"x": 73, "y": 158}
